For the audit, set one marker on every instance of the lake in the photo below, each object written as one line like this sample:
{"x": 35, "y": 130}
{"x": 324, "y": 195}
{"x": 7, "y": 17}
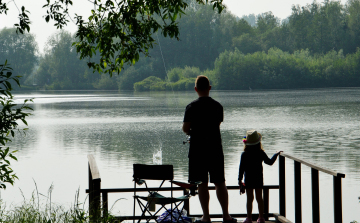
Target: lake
{"x": 122, "y": 128}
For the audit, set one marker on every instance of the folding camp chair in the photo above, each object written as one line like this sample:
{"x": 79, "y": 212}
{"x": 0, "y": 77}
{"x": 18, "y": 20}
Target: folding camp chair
{"x": 161, "y": 173}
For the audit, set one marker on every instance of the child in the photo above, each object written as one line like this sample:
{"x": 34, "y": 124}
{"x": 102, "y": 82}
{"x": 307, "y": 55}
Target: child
{"x": 251, "y": 166}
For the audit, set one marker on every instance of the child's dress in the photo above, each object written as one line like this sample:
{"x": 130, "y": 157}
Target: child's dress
{"x": 251, "y": 166}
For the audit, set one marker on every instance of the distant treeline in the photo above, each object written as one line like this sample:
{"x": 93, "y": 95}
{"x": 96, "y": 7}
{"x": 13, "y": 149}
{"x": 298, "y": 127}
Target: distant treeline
{"x": 275, "y": 69}
{"x": 316, "y": 46}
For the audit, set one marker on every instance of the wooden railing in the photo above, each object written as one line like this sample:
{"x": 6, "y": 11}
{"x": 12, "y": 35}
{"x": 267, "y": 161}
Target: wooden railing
{"x": 94, "y": 189}
{"x": 315, "y": 198}
{"x": 96, "y": 204}
{"x": 98, "y": 197}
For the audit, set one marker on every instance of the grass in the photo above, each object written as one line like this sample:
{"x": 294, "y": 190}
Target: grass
{"x": 38, "y": 210}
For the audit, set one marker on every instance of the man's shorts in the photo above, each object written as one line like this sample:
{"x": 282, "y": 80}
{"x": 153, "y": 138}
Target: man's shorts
{"x": 199, "y": 169}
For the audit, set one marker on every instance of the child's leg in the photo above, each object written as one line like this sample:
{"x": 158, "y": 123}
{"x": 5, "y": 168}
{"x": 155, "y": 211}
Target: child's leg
{"x": 250, "y": 198}
{"x": 260, "y": 201}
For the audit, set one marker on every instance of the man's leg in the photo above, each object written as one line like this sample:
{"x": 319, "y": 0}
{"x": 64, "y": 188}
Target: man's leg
{"x": 204, "y": 198}
{"x": 223, "y": 197}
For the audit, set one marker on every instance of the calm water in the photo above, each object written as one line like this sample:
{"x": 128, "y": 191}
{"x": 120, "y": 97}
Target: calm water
{"x": 321, "y": 126}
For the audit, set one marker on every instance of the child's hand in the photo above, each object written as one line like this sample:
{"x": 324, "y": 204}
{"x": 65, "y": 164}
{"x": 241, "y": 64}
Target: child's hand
{"x": 242, "y": 188}
{"x": 278, "y": 152}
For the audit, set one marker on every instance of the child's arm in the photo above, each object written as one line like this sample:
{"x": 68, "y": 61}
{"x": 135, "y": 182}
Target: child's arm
{"x": 241, "y": 168}
{"x": 273, "y": 158}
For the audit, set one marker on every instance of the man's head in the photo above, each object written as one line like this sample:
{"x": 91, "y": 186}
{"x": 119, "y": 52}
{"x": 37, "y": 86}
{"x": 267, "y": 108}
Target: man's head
{"x": 202, "y": 85}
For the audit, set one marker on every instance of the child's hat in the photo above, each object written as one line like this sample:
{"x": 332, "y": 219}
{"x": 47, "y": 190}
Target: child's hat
{"x": 252, "y": 138}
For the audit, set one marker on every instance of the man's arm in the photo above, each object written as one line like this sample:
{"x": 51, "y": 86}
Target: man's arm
{"x": 186, "y": 127}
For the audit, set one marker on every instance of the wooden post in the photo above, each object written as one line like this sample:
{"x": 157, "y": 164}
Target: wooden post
{"x": 337, "y": 200}
{"x": 96, "y": 199}
{"x": 266, "y": 203}
{"x": 282, "y": 191}
{"x": 91, "y": 192}
{"x": 297, "y": 191}
{"x": 105, "y": 204}
{"x": 94, "y": 189}
{"x": 134, "y": 201}
{"x": 186, "y": 202}
{"x": 315, "y": 195}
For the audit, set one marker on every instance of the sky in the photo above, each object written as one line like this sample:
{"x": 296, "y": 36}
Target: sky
{"x": 43, "y": 30}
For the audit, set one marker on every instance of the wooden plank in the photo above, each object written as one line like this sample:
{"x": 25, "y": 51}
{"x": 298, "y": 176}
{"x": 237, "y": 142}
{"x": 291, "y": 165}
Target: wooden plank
{"x": 297, "y": 191}
{"x": 243, "y": 215}
{"x": 191, "y": 216}
{"x": 322, "y": 169}
{"x": 337, "y": 200}
{"x": 93, "y": 167}
{"x": 241, "y": 221}
{"x": 315, "y": 195}
{"x": 90, "y": 191}
{"x": 124, "y": 190}
{"x": 282, "y": 185}
{"x": 105, "y": 204}
{"x": 281, "y": 218}
{"x": 266, "y": 202}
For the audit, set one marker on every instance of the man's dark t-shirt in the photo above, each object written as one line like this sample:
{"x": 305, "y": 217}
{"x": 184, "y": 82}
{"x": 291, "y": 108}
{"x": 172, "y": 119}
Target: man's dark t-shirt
{"x": 205, "y": 115}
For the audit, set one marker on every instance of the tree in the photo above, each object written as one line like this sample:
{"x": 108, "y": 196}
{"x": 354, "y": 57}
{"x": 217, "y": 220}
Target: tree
{"x": 247, "y": 43}
{"x": 353, "y": 9}
{"x": 266, "y": 21}
{"x": 61, "y": 67}
{"x": 120, "y": 30}
{"x": 20, "y": 50}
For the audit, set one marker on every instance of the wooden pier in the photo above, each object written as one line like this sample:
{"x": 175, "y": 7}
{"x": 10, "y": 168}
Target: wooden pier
{"x": 98, "y": 197}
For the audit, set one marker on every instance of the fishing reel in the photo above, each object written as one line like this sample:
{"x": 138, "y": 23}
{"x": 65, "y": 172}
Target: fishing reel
{"x": 187, "y": 139}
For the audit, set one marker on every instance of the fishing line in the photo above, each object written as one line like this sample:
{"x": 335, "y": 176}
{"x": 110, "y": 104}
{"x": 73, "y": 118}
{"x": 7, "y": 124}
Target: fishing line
{"x": 162, "y": 55}
{"x": 159, "y": 153}
{"x": 168, "y": 80}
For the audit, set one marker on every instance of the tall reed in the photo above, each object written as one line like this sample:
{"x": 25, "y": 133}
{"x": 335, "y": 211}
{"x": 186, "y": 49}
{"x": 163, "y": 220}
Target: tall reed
{"x": 36, "y": 210}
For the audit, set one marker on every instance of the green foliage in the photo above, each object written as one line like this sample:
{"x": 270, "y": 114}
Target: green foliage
{"x": 20, "y": 50}
{"x": 247, "y": 43}
{"x": 150, "y": 83}
{"x": 38, "y": 210}
{"x": 60, "y": 68}
{"x": 177, "y": 74}
{"x": 115, "y": 41}
{"x": 184, "y": 84}
{"x": 121, "y": 30}
{"x": 106, "y": 83}
{"x": 277, "y": 69}
{"x": 266, "y": 21}
{"x": 177, "y": 79}
{"x": 24, "y": 21}
{"x": 10, "y": 114}
{"x": 133, "y": 74}
{"x": 204, "y": 34}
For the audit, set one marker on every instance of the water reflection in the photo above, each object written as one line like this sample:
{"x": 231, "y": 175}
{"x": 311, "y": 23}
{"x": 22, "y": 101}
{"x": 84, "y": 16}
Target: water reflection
{"x": 321, "y": 126}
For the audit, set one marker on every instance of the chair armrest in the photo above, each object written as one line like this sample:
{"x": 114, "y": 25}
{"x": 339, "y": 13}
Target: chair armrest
{"x": 192, "y": 186}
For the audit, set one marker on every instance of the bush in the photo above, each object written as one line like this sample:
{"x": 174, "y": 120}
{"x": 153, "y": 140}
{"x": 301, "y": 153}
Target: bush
{"x": 150, "y": 83}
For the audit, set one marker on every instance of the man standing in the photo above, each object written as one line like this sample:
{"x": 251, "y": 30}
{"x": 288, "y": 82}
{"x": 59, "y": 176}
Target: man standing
{"x": 202, "y": 122}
